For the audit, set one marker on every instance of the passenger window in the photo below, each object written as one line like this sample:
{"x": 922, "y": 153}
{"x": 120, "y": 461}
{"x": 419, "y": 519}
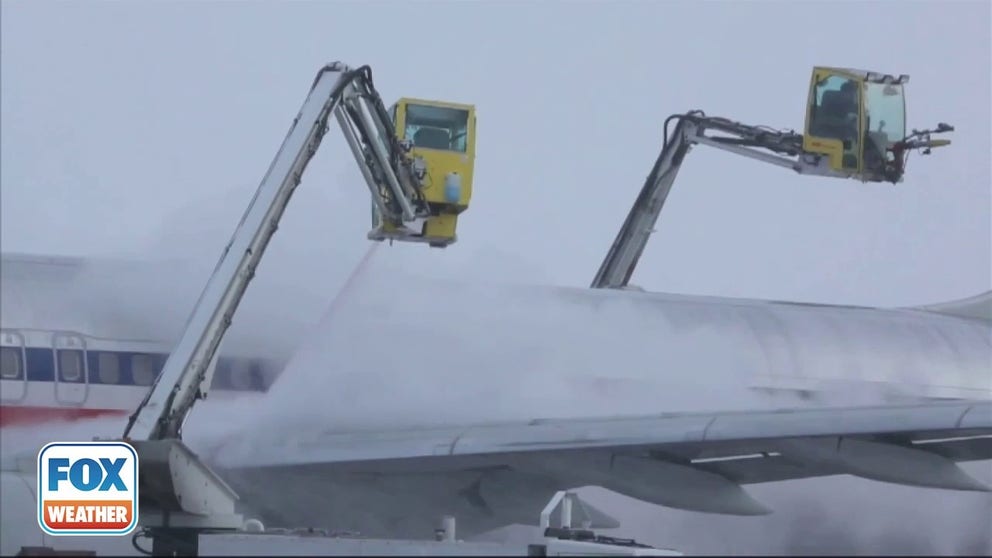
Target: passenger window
{"x": 70, "y": 365}
{"x": 143, "y": 369}
{"x": 109, "y": 367}
{"x": 11, "y": 365}
{"x": 241, "y": 374}
{"x": 437, "y": 127}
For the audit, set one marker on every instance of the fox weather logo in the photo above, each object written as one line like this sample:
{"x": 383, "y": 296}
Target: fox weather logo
{"x": 87, "y": 488}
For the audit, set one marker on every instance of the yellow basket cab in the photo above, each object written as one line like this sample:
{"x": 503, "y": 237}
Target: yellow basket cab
{"x": 855, "y": 118}
{"x": 441, "y": 140}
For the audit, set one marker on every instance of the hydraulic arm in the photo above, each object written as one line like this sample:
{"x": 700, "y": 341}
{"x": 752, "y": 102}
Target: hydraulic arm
{"x": 395, "y": 178}
{"x": 854, "y": 129}
{"x": 411, "y": 183}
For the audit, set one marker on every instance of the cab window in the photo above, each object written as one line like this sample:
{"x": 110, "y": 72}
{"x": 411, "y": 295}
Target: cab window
{"x": 433, "y": 127}
{"x": 885, "y": 123}
{"x": 834, "y": 114}
{"x": 835, "y": 109}
{"x": 885, "y": 109}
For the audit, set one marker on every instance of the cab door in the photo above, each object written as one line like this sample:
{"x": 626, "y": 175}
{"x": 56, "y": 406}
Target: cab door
{"x": 13, "y": 366}
{"x": 835, "y": 119}
{"x": 71, "y": 369}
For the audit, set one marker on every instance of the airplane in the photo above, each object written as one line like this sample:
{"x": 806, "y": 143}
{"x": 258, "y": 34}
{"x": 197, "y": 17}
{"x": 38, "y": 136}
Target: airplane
{"x": 72, "y": 349}
{"x": 493, "y": 397}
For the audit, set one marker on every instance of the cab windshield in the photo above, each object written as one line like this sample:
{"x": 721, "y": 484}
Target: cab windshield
{"x": 437, "y": 127}
{"x": 885, "y": 111}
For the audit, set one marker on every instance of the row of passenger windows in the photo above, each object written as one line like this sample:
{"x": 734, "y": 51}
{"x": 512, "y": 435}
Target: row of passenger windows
{"x": 113, "y": 368}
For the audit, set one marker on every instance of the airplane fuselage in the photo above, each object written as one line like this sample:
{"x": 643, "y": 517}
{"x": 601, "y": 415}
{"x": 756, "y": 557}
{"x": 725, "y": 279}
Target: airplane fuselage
{"x": 69, "y": 352}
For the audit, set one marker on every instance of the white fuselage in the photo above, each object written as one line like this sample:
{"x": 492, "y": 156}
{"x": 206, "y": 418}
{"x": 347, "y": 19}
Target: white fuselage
{"x": 469, "y": 353}
{"x": 84, "y": 338}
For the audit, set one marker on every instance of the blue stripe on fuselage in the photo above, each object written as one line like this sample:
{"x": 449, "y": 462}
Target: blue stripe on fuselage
{"x": 41, "y": 367}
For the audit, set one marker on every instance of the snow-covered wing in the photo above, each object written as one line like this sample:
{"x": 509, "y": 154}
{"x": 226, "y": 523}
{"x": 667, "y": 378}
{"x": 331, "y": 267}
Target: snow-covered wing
{"x": 744, "y": 447}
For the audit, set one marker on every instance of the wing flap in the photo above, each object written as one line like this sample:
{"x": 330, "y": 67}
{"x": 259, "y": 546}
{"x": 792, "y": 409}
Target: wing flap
{"x": 766, "y": 467}
{"x": 962, "y": 446}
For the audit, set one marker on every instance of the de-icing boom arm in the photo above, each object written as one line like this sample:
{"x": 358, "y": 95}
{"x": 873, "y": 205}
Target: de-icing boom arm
{"x": 348, "y": 94}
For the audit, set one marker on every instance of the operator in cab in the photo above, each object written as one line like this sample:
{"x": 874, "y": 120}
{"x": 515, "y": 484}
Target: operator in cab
{"x": 838, "y": 119}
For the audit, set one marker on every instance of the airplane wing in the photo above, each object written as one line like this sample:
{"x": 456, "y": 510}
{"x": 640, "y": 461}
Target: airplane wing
{"x": 693, "y": 461}
{"x": 978, "y": 307}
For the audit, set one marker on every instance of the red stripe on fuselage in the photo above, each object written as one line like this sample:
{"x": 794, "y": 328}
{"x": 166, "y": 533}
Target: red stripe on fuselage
{"x": 21, "y": 416}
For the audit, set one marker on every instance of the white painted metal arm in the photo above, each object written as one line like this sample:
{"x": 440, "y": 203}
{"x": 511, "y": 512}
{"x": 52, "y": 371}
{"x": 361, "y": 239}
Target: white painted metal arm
{"x": 337, "y": 89}
{"x": 620, "y": 261}
{"x": 780, "y": 148}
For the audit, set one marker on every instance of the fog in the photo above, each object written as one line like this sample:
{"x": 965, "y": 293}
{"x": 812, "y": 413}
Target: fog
{"x": 170, "y": 121}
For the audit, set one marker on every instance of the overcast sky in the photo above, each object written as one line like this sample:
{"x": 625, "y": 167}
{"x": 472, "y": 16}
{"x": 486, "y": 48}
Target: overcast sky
{"x": 124, "y": 121}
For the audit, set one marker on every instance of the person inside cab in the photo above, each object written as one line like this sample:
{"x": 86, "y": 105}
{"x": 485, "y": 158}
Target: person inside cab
{"x": 837, "y": 118}
{"x": 838, "y": 114}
